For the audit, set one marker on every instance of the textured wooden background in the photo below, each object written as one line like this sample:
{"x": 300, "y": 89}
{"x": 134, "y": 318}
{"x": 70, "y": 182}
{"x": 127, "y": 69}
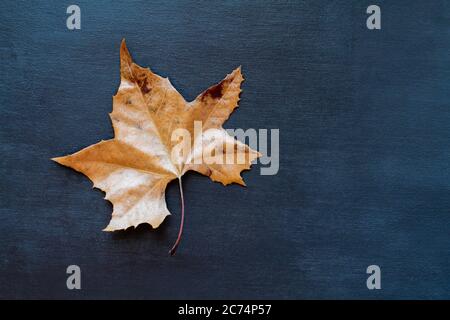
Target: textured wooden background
{"x": 364, "y": 119}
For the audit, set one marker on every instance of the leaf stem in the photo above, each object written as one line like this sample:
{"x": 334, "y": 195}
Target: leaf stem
{"x": 180, "y": 232}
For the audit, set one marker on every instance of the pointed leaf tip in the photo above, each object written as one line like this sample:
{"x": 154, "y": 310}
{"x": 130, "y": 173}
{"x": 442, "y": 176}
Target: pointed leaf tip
{"x": 237, "y": 72}
{"x": 124, "y": 53}
{"x": 58, "y": 160}
{"x": 123, "y": 44}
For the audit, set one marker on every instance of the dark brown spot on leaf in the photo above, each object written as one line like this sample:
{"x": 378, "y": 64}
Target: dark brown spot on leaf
{"x": 216, "y": 91}
{"x": 143, "y": 85}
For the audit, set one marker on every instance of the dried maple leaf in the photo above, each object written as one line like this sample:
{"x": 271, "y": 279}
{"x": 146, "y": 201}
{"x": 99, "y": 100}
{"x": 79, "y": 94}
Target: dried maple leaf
{"x": 134, "y": 168}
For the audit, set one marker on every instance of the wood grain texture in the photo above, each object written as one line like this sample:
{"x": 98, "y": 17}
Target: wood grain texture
{"x": 364, "y": 121}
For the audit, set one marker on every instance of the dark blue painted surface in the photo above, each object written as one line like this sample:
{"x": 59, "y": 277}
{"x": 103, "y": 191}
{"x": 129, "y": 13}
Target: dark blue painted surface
{"x": 364, "y": 119}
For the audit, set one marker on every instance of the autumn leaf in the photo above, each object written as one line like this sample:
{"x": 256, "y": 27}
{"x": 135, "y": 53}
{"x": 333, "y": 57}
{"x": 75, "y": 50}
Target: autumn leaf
{"x": 158, "y": 137}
